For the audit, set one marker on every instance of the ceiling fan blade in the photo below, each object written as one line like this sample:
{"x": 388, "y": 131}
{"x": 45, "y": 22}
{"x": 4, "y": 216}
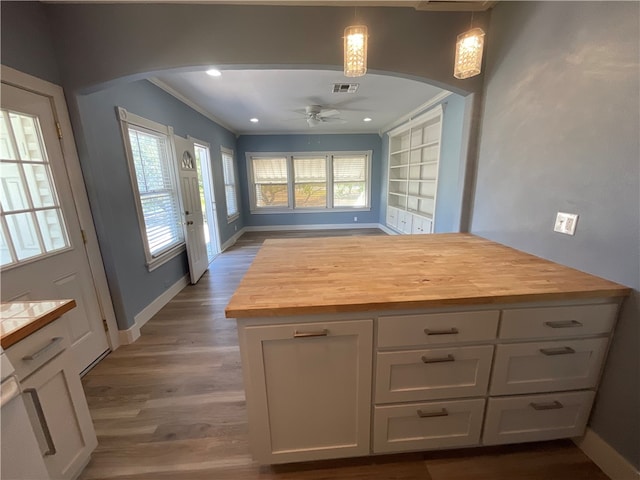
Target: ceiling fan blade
{"x": 333, "y": 120}
{"x": 330, "y": 112}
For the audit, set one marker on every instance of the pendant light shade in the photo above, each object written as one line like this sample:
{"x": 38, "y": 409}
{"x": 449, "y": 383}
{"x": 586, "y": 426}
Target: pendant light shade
{"x": 469, "y": 53}
{"x": 355, "y": 51}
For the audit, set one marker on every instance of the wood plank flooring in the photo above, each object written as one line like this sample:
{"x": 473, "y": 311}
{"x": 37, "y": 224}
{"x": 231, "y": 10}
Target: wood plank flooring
{"x": 172, "y": 405}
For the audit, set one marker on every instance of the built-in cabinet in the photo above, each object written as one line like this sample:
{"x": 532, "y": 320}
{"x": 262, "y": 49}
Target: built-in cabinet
{"x": 453, "y": 377}
{"x": 55, "y": 399}
{"x": 414, "y": 157}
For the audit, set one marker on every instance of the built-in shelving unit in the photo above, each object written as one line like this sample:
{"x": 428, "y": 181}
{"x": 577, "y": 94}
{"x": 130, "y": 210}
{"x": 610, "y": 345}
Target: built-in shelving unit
{"x": 414, "y": 156}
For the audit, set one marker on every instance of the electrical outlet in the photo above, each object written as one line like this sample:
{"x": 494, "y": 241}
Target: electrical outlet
{"x": 566, "y": 223}
{"x": 355, "y": 219}
{"x": 235, "y": 228}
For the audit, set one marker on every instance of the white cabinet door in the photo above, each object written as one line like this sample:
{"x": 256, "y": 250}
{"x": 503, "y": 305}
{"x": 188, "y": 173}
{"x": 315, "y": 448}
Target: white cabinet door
{"x": 420, "y": 225}
{"x": 405, "y": 221}
{"x": 308, "y": 390}
{"x": 392, "y": 217}
{"x": 60, "y": 415}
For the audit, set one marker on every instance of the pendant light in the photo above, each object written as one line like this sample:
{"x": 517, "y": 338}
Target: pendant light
{"x": 355, "y": 51}
{"x": 469, "y": 48}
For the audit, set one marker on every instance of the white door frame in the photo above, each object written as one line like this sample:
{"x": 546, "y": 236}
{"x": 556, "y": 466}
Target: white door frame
{"x": 78, "y": 190}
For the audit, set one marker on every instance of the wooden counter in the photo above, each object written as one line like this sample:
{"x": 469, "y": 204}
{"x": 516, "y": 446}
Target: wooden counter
{"x": 18, "y": 320}
{"x": 357, "y": 274}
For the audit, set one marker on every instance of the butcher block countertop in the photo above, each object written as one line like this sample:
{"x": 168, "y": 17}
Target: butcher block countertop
{"x": 18, "y": 320}
{"x": 359, "y": 274}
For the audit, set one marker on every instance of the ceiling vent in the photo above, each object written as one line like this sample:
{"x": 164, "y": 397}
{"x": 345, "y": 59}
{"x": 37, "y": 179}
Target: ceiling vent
{"x": 345, "y": 87}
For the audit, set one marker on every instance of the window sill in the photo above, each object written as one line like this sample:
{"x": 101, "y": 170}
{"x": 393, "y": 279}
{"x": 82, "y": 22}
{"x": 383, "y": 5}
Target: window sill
{"x": 233, "y": 218}
{"x": 309, "y": 210}
{"x": 165, "y": 257}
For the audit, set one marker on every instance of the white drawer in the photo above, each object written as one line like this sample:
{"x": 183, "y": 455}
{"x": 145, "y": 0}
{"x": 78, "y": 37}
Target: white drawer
{"x": 536, "y": 417}
{"x": 558, "y": 321}
{"x": 547, "y": 366}
{"x": 34, "y": 351}
{"x": 433, "y": 374}
{"x": 421, "y": 426}
{"x": 437, "y": 328}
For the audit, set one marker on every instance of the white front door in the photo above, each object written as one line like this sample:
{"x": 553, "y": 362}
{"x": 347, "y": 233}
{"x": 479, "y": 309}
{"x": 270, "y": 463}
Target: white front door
{"x": 193, "y": 219}
{"x": 207, "y": 198}
{"x": 42, "y": 250}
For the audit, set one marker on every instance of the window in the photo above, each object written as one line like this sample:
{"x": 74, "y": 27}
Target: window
{"x": 32, "y": 221}
{"x": 153, "y": 176}
{"x": 230, "y": 185}
{"x": 309, "y": 182}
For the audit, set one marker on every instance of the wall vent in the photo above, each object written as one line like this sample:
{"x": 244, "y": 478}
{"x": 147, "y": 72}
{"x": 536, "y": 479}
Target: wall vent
{"x": 345, "y": 87}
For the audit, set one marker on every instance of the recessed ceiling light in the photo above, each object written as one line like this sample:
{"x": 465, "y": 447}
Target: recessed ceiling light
{"x": 254, "y": 120}
{"x": 366, "y": 119}
{"x": 214, "y": 72}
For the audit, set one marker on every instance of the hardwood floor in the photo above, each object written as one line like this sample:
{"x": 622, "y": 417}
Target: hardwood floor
{"x": 172, "y": 405}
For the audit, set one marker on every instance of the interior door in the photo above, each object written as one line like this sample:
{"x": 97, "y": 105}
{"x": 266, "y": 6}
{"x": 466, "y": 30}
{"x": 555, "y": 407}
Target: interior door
{"x": 193, "y": 219}
{"x": 41, "y": 243}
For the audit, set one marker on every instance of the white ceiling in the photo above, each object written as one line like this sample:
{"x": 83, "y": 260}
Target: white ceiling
{"x": 278, "y": 98}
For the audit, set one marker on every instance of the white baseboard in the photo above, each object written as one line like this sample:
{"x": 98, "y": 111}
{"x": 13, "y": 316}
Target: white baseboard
{"x": 614, "y": 465}
{"x": 322, "y": 226}
{"x": 232, "y": 240}
{"x": 129, "y": 335}
{"x": 387, "y": 230}
{"x": 133, "y": 333}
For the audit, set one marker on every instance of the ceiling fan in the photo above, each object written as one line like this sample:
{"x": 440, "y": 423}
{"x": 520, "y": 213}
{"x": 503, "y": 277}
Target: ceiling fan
{"x": 317, "y": 114}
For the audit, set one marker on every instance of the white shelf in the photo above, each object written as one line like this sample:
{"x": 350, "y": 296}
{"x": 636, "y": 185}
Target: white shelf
{"x": 400, "y": 166}
{"x": 398, "y": 194}
{"x": 419, "y": 180}
{"x": 424, "y": 145}
{"x": 404, "y": 150}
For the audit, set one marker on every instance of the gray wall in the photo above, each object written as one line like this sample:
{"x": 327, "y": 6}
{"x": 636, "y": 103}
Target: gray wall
{"x": 101, "y": 43}
{"x": 108, "y": 182}
{"x": 26, "y": 42}
{"x": 451, "y": 171}
{"x": 560, "y": 133}
{"x": 310, "y": 143}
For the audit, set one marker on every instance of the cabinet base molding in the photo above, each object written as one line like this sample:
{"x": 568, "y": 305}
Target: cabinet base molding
{"x": 606, "y": 457}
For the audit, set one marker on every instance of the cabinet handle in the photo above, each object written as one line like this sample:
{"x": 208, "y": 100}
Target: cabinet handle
{"x": 448, "y": 358}
{"x": 557, "y": 351}
{"x": 441, "y": 413}
{"x": 563, "y": 324}
{"x": 546, "y": 406}
{"x": 320, "y": 333}
{"x": 451, "y": 331}
{"x": 43, "y": 421}
{"x": 34, "y": 356}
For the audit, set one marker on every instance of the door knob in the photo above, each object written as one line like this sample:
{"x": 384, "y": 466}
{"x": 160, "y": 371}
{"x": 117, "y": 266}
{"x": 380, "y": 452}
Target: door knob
{"x": 189, "y": 222}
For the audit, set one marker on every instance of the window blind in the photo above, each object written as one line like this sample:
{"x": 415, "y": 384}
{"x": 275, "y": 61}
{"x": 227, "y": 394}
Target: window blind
{"x": 230, "y": 188}
{"x": 310, "y": 181}
{"x": 157, "y": 189}
{"x": 270, "y": 181}
{"x": 350, "y": 181}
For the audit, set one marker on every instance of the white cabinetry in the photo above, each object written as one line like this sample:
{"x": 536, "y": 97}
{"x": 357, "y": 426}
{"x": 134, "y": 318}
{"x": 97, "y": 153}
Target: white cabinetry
{"x": 414, "y": 157}
{"x": 462, "y": 376}
{"x": 308, "y": 389}
{"x": 55, "y": 400}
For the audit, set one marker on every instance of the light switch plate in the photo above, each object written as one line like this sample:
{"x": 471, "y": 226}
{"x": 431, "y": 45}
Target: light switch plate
{"x": 566, "y": 223}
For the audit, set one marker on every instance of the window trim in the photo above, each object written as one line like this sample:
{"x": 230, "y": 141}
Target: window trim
{"x": 127, "y": 119}
{"x": 291, "y": 208}
{"x": 225, "y": 150}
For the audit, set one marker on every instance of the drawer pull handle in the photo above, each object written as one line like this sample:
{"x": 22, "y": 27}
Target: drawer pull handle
{"x": 563, "y": 324}
{"x": 448, "y": 358}
{"x": 557, "y": 351}
{"x": 546, "y": 406}
{"x": 320, "y": 333}
{"x": 441, "y": 413}
{"x": 34, "y": 356}
{"x": 43, "y": 421}
{"x": 451, "y": 331}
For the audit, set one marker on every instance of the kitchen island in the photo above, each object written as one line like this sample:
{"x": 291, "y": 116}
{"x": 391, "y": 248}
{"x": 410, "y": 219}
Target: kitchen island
{"x": 367, "y": 345}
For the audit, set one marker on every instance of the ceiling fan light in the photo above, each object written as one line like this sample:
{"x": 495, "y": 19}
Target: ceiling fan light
{"x": 468, "y": 60}
{"x": 214, "y": 72}
{"x": 355, "y": 50}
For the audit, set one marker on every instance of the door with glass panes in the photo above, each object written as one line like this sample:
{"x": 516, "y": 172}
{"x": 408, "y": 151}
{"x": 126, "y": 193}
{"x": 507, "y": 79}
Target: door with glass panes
{"x": 42, "y": 250}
